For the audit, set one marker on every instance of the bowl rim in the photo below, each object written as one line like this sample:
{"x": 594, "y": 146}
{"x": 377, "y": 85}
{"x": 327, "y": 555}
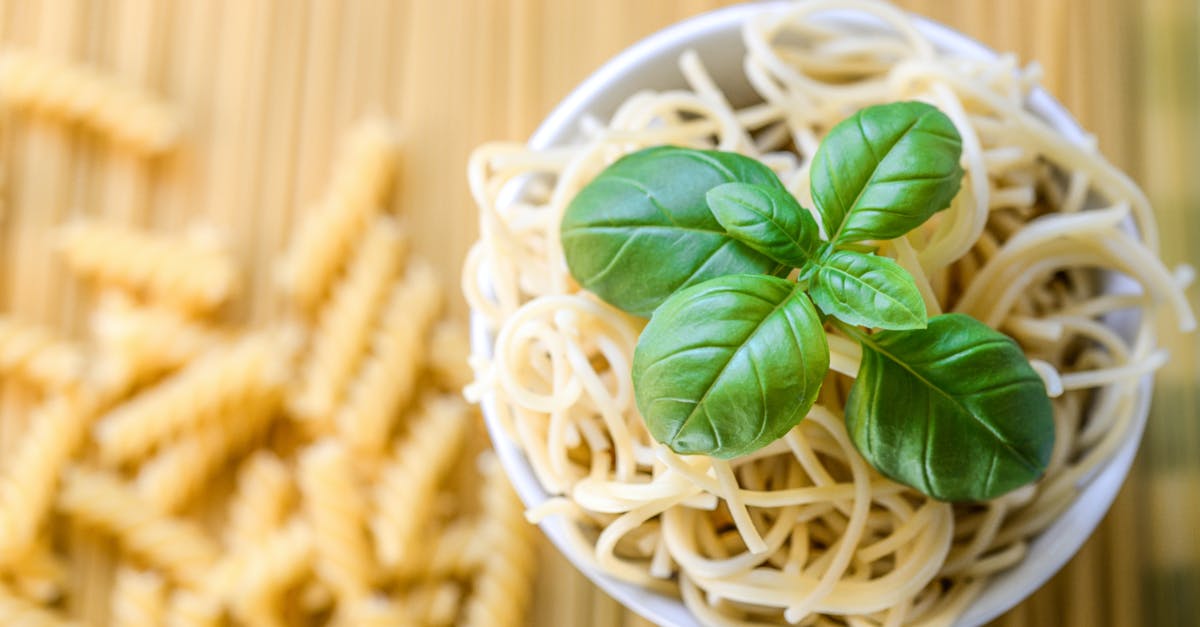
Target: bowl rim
{"x": 1002, "y": 591}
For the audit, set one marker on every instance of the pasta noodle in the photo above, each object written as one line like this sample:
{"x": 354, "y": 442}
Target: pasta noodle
{"x": 84, "y": 96}
{"x": 501, "y": 588}
{"x": 177, "y": 472}
{"x": 264, "y": 496}
{"x": 102, "y": 500}
{"x": 387, "y": 378}
{"x": 40, "y": 574}
{"x": 223, "y": 380}
{"x": 362, "y": 176}
{"x": 803, "y": 531}
{"x": 195, "y": 276}
{"x": 35, "y": 354}
{"x": 138, "y": 599}
{"x": 337, "y": 510}
{"x": 408, "y": 481}
{"x": 343, "y": 326}
{"x": 448, "y": 352}
{"x": 252, "y": 581}
{"x": 139, "y": 343}
{"x": 31, "y": 474}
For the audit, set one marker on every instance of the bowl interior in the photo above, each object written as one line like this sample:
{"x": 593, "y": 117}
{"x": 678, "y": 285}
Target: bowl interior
{"x": 652, "y": 64}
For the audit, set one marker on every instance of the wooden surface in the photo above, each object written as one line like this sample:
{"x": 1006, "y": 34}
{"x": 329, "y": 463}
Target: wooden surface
{"x": 266, "y": 87}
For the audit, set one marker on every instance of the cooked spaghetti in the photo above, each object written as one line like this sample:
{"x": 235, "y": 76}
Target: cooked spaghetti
{"x": 1038, "y": 243}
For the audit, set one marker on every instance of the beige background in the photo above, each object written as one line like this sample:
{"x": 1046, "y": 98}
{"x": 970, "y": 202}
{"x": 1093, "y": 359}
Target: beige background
{"x": 266, "y": 86}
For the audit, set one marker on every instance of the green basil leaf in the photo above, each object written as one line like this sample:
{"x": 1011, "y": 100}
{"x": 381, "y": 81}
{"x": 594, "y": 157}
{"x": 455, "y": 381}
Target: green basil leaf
{"x": 885, "y": 170}
{"x": 641, "y": 230}
{"x": 730, "y": 365}
{"x": 768, "y": 219}
{"x": 953, "y": 410}
{"x": 867, "y": 290}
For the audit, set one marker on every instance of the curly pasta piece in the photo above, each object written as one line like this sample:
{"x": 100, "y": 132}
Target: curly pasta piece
{"x": 138, "y": 343}
{"x": 176, "y": 473}
{"x": 101, "y": 499}
{"x": 388, "y": 376}
{"x": 343, "y": 328}
{"x": 220, "y": 382}
{"x": 264, "y": 495}
{"x": 85, "y": 96}
{"x": 38, "y": 355}
{"x": 407, "y": 482}
{"x": 194, "y": 276}
{"x": 337, "y": 509}
{"x": 17, "y": 611}
{"x": 448, "y": 353}
{"x": 251, "y": 580}
{"x": 138, "y": 599}
{"x": 56, "y": 432}
{"x": 435, "y": 604}
{"x": 190, "y": 609}
{"x": 502, "y": 586}
{"x": 363, "y": 173}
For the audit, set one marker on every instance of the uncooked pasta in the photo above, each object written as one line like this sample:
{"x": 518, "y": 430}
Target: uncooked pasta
{"x": 804, "y": 531}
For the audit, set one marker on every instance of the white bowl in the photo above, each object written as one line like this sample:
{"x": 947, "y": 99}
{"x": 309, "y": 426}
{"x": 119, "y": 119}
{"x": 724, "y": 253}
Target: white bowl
{"x": 653, "y": 64}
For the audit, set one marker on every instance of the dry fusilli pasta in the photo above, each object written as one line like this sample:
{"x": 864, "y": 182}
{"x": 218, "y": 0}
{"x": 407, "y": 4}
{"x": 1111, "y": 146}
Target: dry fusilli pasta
{"x": 221, "y": 381}
{"x": 363, "y": 172}
{"x": 40, "y": 574}
{"x": 139, "y": 599}
{"x": 36, "y": 354}
{"x": 337, "y": 509}
{"x": 179, "y": 547}
{"x": 501, "y": 588}
{"x": 265, "y": 493}
{"x": 56, "y": 431}
{"x": 140, "y": 342}
{"x": 344, "y": 324}
{"x": 87, "y": 97}
{"x": 408, "y": 481}
{"x": 192, "y": 275}
{"x": 448, "y": 352}
{"x": 376, "y": 611}
{"x": 388, "y": 375}
{"x": 251, "y": 580}
{"x": 174, "y": 475}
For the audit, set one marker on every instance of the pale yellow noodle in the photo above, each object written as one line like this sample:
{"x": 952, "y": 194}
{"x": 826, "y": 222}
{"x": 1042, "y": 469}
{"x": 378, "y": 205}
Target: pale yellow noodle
{"x": 362, "y": 176}
{"x": 500, "y": 592}
{"x": 100, "y": 499}
{"x": 226, "y": 378}
{"x": 407, "y": 482}
{"x": 38, "y": 355}
{"x": 341, "y": 337}
{"x": 387, "y": 378}
{"x": 183, "y": 272}
{"x": 15, "y": 610}
{"x": 85, "y": 96}
{"x": 336, "y": 507}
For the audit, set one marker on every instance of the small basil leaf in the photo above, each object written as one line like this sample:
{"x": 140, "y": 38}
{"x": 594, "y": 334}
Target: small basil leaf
{"x": 768, "y": 219}
{"x": 885, "y": 170}
{"x": 953, "y": 410}
{"x": 642, "y": 229}
{"x": 867, "y": 290}
{"x": 730, "y": 365}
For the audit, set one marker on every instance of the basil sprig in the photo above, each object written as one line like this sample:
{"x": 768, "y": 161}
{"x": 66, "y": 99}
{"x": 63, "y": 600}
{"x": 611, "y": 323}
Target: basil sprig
{"x": 733, "y": 356}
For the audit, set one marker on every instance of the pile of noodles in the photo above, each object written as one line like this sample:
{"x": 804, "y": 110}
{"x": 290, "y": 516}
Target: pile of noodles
{"x": 805, "y": 531}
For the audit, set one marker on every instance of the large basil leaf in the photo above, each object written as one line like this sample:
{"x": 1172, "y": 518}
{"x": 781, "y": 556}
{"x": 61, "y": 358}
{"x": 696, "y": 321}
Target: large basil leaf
{"x": 867, "y": 290}
{"x": 953, "y": 410}
{"x": 885, "y": 170}
{"x": 768, "y": 219}
{"x": 730, "y": 365}
{"x": 642, "y": 230}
